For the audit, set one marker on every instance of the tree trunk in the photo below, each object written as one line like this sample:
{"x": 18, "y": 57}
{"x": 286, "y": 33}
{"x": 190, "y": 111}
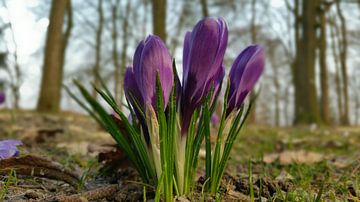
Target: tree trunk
{"x": 324, "y": 102}
{"x": 204, "y": 8}
{"x": 356, "y": 95}
{"x": 159, "y": 18}
{"x": 338, "y": 88}
{"x": 98, "y": 44}
{"x": 294, "y": 67}
{"x": 124, "y": 47}
{"x": 307, "y": 105}
{"x": 253, "y": 33}
{"x": 50, "y": 92}
{"x": 272, "y": 59}
{"x": 287, "y": 115}
{"x": 115, "y": 51}
{"x": 343, "y": 57}
{"x": 66, "y": 35}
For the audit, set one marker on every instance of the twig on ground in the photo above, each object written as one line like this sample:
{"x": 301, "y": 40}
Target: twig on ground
{"x": 39, "y": 167}
{"x": 96, "y": 194}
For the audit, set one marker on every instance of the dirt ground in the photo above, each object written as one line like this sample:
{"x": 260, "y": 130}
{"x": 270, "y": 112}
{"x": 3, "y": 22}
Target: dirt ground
{"x": 63, "y": 159}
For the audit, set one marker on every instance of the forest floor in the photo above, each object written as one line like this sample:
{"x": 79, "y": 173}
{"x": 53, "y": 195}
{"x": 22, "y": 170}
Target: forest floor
{"x": 60, "y": 162}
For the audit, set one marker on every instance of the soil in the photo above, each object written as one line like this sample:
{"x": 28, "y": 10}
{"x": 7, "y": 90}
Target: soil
{"x": 92, "y": 169}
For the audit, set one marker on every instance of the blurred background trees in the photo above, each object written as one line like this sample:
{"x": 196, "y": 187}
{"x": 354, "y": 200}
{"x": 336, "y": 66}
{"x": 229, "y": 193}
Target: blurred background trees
{"x": 312, "y": 72}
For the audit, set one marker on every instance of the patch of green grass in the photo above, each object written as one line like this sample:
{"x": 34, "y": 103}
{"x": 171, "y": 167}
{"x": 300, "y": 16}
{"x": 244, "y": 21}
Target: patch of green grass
{"x": 332, "y": 143}
{"x": 4, "y": 186}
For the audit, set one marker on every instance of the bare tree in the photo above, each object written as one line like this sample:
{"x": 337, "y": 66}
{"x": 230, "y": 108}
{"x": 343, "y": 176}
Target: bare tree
{"x": 67, "y": 33}
{"x": 16, "y": 76}
{"x": 98, "y": 45}
{"x": 159, "y": 18}
{"x": 125, "y": 40}
{"x": 303, "y": 68}
{"x": 322, "y": 46}
{"x": 115, "y": 51}
{"x": 253, "y": 34}
{"x": 204, "y": 8}
{"x": 343, "y": 58}
{"x": 272, "y": 45}
{"x": 334, "y": 33}
{"x": 50, "y": 93}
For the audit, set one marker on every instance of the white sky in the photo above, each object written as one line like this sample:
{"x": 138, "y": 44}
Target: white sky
{"x": 29, "y": 35}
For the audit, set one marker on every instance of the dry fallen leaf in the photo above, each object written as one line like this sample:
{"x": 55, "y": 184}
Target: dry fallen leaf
{"x": 289, "y": 157}
{"x": 270, "y": 158}
{"x": 300, "y": 156}
{"x": 237, "y": 195}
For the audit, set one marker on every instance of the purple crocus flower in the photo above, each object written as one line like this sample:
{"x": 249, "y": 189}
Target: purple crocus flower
{"x": 244, "y": 73}
{"x": 2, "y": 97}
{"x": 203, "y": 54}
{"x": 8, "y": 148}
{"x": 151, "y": 57}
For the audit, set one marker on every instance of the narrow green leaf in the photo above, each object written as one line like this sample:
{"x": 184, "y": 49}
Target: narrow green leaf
{"x": 206, "y": 122}
{"x": 165, "y": 154}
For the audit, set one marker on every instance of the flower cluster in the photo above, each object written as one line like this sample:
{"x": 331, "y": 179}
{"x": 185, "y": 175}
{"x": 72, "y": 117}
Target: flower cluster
{"x": 171, "y": 119}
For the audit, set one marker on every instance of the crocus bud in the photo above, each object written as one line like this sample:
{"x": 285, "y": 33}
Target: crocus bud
{"x": 152, "y": 57}
{"x": 204, "y": 50}
{"x": 245, "y": 72}
{"x": 8, "y": 148}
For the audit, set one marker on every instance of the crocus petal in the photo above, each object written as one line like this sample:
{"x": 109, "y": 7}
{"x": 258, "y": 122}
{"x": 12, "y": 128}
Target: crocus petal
{"x": 204, "y": 50}
{"x": 10, "y": 143}
{"x": 137, "y": 58}
{"x": 178, "y": 87}
{"x": 133, "y": 94}
{"x": 244, "y": 74}
{"x": 207, "y": 48}
{"x": 254, "y": 69}
{"x": 237, "y": 71}
{"x": 131, "y": 88}
{"x": 8, "y": 153}
{"x": 186, "y": 56}
{"x": 8, "y": 148}
{"x": 155, "y": 58}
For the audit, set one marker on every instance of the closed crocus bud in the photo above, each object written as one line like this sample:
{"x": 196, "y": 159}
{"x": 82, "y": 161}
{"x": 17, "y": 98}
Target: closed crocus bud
{"x": 152, "y": 57}
{"x": 204, "y": 50}
{"x": 8, "y": 148}
{"x": 245, "y": 72}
